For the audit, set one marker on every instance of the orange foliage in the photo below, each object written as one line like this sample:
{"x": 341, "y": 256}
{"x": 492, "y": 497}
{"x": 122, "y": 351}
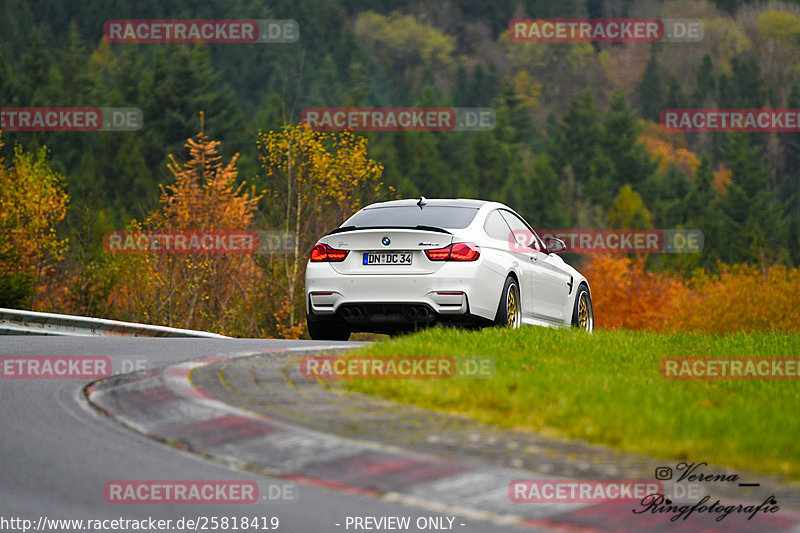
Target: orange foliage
{"x": 721, "y": 178}
{"x": 624, "y": 295}
{"x": 315, "y": 181}
{"x": 740, "y": 298}
{"x": 211, "y": 292}
{"x": 668, "y": 149}
{"x": 205, "y": 195}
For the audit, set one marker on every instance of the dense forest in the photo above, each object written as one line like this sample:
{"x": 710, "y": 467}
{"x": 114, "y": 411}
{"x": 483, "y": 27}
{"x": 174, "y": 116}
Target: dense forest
{"x": 577, "y": 142}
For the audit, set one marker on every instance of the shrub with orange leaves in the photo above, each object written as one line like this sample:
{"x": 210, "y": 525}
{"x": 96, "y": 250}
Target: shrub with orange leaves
{"x": 624, "y": 295}
{"x": 739, "y": 298}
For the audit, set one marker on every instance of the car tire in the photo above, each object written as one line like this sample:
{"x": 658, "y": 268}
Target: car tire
{"x": 327, "y": 330}
{"x": 583, "y": 311}
{"x": 509, "y": 310}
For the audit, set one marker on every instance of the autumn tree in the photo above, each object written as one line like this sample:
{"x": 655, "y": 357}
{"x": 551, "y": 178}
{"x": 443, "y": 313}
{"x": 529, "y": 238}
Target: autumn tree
{"x": 212, "y": 291}
{"x": 315, "y": 181}
{"x": 628, "y": 210}
{"x": 32, "y": 203}
{"x": 668, "y": 147}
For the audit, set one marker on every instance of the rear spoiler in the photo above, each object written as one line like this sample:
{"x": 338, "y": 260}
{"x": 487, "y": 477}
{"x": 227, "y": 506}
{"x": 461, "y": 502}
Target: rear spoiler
{"x": 344, "y": 229}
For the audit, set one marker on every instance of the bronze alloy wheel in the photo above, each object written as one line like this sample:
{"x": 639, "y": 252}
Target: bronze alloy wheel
{"x": 585, "y": 313}
{"x": 512, "y": 306}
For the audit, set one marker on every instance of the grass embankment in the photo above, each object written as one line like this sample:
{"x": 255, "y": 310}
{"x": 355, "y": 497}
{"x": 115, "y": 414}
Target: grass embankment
{"x": 607, "y": 388}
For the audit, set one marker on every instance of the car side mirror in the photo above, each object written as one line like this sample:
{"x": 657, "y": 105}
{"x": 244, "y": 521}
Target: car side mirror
{"x": 554, "y": 246}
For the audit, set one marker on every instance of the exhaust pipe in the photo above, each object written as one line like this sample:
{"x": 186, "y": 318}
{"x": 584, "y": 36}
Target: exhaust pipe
{"x": 346, "y": 312}
{"x": 423, "y": 312}
{"x": 356, "y": 312}
{"x": 411, "y": 312}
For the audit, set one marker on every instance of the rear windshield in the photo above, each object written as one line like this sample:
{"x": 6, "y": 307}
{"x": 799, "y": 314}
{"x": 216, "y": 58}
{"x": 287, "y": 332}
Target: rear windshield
{"x": 439, "y": 216}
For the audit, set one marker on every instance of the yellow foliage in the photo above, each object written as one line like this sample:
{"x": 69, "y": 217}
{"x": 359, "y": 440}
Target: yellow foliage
{"x": 407, "y": 41}
{"x": 316, "y": 180}
{"x": 526, "y": 89}
{"x": 780, "y": 25}
{"x": 569, "y": 58}
{"x": 32, "y": 203}
{"x": 321, "y": 169}
{"x": 739, "y": 298}
{"x": 628, "y": 210}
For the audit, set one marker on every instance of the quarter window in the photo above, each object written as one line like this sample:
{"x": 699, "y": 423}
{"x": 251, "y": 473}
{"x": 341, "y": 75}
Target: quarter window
{"x": 519, "y": 227}
{"x": 496, "y": 227}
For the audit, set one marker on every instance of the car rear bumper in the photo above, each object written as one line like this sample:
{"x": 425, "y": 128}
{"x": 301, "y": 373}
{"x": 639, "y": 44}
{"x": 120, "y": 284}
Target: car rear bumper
{"x": 455, "y": 292}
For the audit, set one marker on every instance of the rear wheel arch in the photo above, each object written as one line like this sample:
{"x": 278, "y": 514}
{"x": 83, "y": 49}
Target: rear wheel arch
{"x": 513, "y": 275}
{"x": 506, "y": 315}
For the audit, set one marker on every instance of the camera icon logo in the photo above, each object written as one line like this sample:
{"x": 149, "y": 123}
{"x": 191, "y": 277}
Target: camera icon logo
{"x": 663, "y": 473}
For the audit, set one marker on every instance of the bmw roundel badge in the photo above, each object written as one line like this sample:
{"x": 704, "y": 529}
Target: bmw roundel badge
{"x": 386, "y": 241}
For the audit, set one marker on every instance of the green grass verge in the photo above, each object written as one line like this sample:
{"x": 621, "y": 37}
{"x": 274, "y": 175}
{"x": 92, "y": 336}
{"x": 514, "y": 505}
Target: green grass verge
{"x": 607, "y": 388}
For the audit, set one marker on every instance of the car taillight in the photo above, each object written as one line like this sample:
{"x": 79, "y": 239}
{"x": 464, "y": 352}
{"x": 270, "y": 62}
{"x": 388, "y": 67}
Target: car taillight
{"x": 322, "y": 253}
{"x": 465, "y": 251}
{"x": 460, "y": 251}
{"x": 438, "y": 254}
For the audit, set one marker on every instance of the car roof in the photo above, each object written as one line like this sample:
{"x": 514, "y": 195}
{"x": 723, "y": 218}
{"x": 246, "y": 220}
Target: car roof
{"x": 450, "y": 202}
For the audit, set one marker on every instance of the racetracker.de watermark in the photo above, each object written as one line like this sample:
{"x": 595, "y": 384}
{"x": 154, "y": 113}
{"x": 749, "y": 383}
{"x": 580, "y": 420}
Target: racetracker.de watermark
{"x": 397, "y": 367}
{"x": 733, "y": 119}
{"x": 259, "y": 242}
{"x": 198, "y": 492}
{"x": 201, "y": 31}
{"x": 778, "y": 368}
{"x": 55, "y": 367}
{"x": 181, "y": 242}
{"x": 399, "y": 118}
{"x": 616, "y": 30}
{"x": 71, "y": 119}
{"x": 582, "y": 490}
{"x": 133, "y": 492}
{"x": 587, "y": 241}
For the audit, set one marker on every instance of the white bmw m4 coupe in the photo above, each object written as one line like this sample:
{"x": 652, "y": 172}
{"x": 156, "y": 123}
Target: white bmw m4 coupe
{"x": 405, "y": 264}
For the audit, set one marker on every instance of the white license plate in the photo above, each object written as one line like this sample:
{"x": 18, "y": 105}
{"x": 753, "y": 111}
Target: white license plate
{"x": 396, "y": 258}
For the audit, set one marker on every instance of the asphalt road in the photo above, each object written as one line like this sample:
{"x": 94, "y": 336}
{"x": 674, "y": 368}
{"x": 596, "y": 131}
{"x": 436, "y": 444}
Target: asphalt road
{"x": 57, "y": 453}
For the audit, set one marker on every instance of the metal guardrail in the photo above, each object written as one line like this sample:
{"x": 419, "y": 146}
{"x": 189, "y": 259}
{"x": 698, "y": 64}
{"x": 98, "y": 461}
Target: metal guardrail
{"x": 18, "y": 322}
